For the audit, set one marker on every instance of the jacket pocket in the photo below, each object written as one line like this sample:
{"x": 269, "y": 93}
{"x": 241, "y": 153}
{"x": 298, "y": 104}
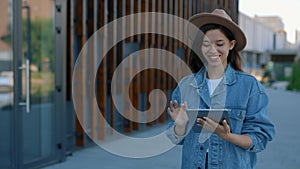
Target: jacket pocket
{"x": 236, "y": 117}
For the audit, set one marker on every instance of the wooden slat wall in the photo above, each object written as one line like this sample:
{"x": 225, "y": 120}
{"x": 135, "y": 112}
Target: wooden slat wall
{"x": 88, "y": 19}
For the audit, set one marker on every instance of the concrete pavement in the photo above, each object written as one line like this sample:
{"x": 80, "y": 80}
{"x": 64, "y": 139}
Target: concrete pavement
{"x": 282, "y": 152}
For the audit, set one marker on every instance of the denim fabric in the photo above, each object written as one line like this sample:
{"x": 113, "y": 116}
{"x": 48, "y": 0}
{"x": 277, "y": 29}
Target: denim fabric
{"x": 246, "y": 98}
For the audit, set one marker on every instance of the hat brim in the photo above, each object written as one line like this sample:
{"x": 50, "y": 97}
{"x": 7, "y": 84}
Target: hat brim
{"x": 207, "y": 18}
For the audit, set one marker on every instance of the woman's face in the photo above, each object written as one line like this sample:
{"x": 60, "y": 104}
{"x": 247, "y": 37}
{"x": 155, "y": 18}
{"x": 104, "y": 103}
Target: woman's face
{"x": 215, "y": 48}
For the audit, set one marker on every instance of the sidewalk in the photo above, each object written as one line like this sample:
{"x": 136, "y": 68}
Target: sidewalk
{"x": 283, "y": 152}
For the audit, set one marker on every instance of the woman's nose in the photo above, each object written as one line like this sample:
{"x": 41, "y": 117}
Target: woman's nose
{"x": 212, "y": 48}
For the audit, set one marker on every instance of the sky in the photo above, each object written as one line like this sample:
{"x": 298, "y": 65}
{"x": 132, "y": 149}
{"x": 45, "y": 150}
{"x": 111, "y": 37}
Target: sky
{"x": 288, "y": 10}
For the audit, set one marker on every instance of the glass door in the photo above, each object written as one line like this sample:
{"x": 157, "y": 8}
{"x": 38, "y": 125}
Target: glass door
{"x": 6, "y": 86}
{"x": 38, "y": 80}
{"x": 29, "y": 120}
{"x": 31, "y": 106}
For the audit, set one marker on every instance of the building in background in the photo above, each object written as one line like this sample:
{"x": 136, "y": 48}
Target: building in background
{"x": 267, "y": 45}
{"x": 260, "y": 39}
{"x": 277, "y": 25}
{"x": 297, "y": 32}
{"x": 274, "y": 22}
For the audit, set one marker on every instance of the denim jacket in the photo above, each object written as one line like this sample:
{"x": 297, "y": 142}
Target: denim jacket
{"x": 248, "y": 102}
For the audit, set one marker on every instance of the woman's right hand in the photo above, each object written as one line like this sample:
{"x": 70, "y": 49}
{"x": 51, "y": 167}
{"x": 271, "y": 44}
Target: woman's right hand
{"x": 179, "y": 115}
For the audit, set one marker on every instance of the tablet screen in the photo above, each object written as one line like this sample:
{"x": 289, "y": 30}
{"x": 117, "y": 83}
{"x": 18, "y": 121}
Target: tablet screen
{"x": 218, "y": 115}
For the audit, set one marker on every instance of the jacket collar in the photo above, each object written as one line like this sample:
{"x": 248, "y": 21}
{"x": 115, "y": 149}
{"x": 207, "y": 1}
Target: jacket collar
{"x": 229, "y": 78}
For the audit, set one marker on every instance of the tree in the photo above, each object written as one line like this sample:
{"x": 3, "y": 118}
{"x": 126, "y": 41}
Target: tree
{"x": 42, "y": 42}
{"x": 295, "y": 79}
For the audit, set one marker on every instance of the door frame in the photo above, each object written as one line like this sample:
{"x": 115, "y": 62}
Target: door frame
{"x": 60, "y": 76}
{"x": 17, "y": 147}
{"x": 60, "y": 89}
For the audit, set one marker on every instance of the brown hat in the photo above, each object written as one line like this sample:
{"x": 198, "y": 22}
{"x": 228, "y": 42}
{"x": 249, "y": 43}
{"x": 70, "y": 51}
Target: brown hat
{"x": 219, "y": 16}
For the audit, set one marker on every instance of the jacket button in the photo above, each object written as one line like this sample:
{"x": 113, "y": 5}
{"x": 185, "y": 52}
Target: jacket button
{"x": 201, "y": 148}
{"x": 199, "y": 167}
{"x": 241, "y": 115}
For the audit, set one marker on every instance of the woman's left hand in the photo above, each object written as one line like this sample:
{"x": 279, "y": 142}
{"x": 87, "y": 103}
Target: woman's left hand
{"x": 222, "y": 131}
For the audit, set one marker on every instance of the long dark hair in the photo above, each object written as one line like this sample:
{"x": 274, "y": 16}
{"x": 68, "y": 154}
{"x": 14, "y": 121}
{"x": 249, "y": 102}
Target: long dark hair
{"x": 234, "y": 58}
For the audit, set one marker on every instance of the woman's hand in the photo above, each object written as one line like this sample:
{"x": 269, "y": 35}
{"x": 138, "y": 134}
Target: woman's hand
{"x": 179, "y": 115}
{"x": 222, "y": 131}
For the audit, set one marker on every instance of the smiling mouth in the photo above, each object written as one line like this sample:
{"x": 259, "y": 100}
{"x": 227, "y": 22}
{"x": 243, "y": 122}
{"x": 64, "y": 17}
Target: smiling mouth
{"x": 214, "y": 57}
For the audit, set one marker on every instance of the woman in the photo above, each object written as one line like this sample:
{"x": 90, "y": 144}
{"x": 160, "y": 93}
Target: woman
{"x": 219, "y": 82}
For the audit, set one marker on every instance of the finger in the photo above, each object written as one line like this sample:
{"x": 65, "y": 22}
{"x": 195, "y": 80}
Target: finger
{"x": 226, "y": 126}
{"x": 175, "y": 104}
{"x": 209, "y": 120}
{"x": 200, "y": 121}
{"x": 184, "y": 106}
{"x": 211, "y": 123}
{"x": 171, "y": 105}
{"x": 170, "y": 113}
{"x": 169, "y": 110}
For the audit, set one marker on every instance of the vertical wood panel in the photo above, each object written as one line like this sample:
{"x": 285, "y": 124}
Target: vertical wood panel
{"x": 175, "y": 23}
{"x": 135, "y": 64}
{"x": 122, "y": 8}
{"x": 190, "y": 9}
{"x": 170, "y": 41}
{"x": 151, "y": 72}
{"x": 92, "y": 62}
{"x": 225, "y": 4}
{"x": 159, "y": 40}
{"x": 129, "y": 10}
{"x": 164, "y": 44}
{"x": 195, "y": 6}
{"x": 80, "y": 134}
{"x": 181, "y": 26}
{"x": 144, "y": 44}
{"x": 102, "y": 75}
{"x": 199, "y": 5}
{"x": 136, "y": 6}
{"x": 112, "y": 60}
{"x": 175, "y": 41}
{"x": 135, "y": 94}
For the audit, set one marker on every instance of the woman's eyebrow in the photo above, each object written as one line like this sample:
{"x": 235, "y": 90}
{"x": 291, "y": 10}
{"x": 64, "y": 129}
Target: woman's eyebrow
{"x": 220, "y": 40}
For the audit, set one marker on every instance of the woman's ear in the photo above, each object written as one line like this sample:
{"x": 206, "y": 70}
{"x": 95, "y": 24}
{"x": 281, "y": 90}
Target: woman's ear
{"x": 232, "y": 44}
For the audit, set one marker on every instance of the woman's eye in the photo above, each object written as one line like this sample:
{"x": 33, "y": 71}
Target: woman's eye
{"x": 220, "y": 44}
{"x": 206, "y": 44}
